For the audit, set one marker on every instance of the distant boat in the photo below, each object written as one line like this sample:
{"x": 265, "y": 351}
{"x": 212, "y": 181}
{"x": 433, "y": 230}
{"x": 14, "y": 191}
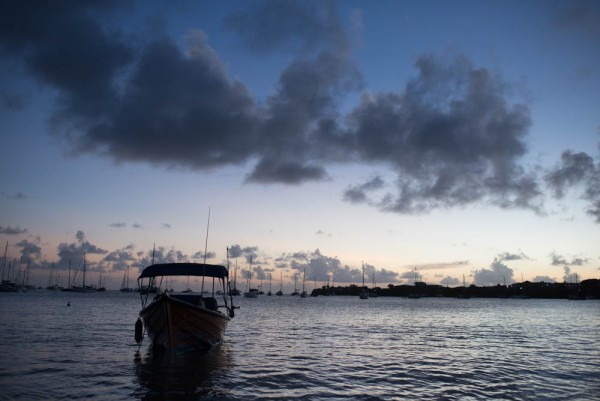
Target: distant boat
{"x": 415, "y": 294}
{"x": 373, "y": 293}
{"x": 184, "y": 321}
{"x": 125, "y": 284}
{"x": 303, "y": 294}
{"x": 280, "y": 292}
{"x": 464, "y": 294}
{"x": 269, "y": 293}
{"x": 83, "y": 287}
{"x": 364, "y": 294}
{"x": 251, "y": 292}
{"x": 235, "y": 292}
{"x": 295, "y": 288}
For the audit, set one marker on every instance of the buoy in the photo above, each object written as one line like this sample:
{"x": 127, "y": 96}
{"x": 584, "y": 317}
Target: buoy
{"x": 139, "y": 330}
{"x": 68, "y": 303}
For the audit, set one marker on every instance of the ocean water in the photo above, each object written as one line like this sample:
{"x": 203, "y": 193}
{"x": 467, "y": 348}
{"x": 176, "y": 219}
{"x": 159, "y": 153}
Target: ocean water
{"x": 288, "y": 348}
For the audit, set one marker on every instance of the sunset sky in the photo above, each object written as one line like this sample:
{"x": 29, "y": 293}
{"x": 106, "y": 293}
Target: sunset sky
{"x": 458, "y": 138}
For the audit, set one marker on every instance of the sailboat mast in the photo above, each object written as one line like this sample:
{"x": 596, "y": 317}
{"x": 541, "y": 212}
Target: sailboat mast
{"x": 84, "y": 270}
{"x": 205, "y": 247}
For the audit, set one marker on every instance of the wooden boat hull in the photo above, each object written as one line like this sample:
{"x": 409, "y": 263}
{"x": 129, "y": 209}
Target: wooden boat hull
{"x": 173, "y": 324}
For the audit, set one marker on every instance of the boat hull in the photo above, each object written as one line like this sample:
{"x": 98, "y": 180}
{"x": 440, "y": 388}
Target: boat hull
{"x": 173, "y": 324}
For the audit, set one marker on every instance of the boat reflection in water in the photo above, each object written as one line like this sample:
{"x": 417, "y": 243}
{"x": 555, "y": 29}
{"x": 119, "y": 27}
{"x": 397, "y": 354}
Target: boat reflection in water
{"x": 178, "y": 322}
{"x": 190, "y": 375}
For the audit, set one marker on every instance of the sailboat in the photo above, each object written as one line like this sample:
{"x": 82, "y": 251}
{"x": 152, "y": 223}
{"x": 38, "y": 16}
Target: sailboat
{"x": 251, "y": 292}
{"x": 125, "y": 284}
{"x": 83, "y": 287}
{"x": 235, "y": 292}
{"x": 464, "y": 294}
{"x": 373, "y": 294}
{"x": 304, "y": 294}
{"x": 295, "y": 287}
{"x": 415, "y": 294}
{"x": 280, "y": 292}
{"x": 364, "y": 294}
{"x": 270, "y": 279}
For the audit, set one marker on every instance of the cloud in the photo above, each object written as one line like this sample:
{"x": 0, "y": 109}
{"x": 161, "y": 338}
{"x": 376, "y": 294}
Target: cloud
{"x": 118, "y": 225}
{"x": 496, "y": 274}
{"x": 166, "y": 226}
{"x": 559, "y": 260}
{"x": 577, "y": 170}
{"x": 442, "y": 265}
{"x": 512, "y": 256}
{"x": 15, "y": 196}
{"x": 451, "y": 136}
{"x": 30, "y": 250}
{"x": 74, "y": 251}
{"x": 545, "y": 279}
{"x": 12, "y": 230}
{"x": 582, "y": 17}
{"x": 447, "y": 281}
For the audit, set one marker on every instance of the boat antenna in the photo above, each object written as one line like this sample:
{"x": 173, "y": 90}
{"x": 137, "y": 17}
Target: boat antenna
{"x": 205, "y": 247}
{"x": 153, "y": 249}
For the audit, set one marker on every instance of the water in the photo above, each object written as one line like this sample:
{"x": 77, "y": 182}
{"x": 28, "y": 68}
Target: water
{"x": 325, "y": 348}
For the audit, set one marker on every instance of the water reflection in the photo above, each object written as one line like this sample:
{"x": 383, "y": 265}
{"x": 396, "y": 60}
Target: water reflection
{"x": 187, "y": 376}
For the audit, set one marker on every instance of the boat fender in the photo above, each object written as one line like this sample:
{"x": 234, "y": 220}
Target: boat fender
{"x": 139, "y": 330}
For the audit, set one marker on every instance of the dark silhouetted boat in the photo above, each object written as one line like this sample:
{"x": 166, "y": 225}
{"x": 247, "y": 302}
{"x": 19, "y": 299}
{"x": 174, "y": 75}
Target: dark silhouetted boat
{"x": 178, "y": 321}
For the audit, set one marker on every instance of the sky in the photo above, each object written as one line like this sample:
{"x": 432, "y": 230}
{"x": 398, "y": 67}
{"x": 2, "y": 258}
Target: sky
{"x": 460, "y": 139}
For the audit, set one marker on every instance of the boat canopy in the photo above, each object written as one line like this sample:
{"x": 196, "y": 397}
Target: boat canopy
{"x": 184, "y": 269}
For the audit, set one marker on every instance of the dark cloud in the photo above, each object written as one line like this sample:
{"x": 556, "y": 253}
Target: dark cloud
{"x": 452, "y": 136}
{"x": 30, "y": 250}
{"x": 512, "y": 256}
{"x": 12, "y": 230}
{"x": 15, "y": 196}
{"x": 443, "y": 265}
{"x": 200, "y": 255}
{"x": 498, "y": 273}
{"x": 545, "y": 279}
{"x": 583, "y": 17}
{"x": 121, "y": 258}
{"x": 577, "y": 171}
{"x": 74, "y": 251}
{"x": 358, "y": 193}
{"x": 449, "y": 281}
{"x": 559, "y": 260}
{"x": 236, "y": 251}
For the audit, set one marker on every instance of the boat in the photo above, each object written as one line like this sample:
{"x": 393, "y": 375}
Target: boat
{"x": 178, "y": 321}
{"x": 280, "y": 292}
{"x": 304, "y": 294}
{"x": 251, "y": 292}
{"x": 235, "y": 292}
{"x": 364, "y": 294}
{"x": 373, "y": 293}
{"x": 415, "y": 294}
{"x": 82, "y": 287}
{"x": 125, "y": 284}
{"x": 295, "y": 288}
{"x": 270, "y": 280}
{"x": 465, "y": 292}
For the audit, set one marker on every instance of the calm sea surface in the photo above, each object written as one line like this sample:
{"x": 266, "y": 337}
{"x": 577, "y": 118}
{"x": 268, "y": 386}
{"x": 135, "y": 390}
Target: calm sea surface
{"x": 325, "y": 348}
